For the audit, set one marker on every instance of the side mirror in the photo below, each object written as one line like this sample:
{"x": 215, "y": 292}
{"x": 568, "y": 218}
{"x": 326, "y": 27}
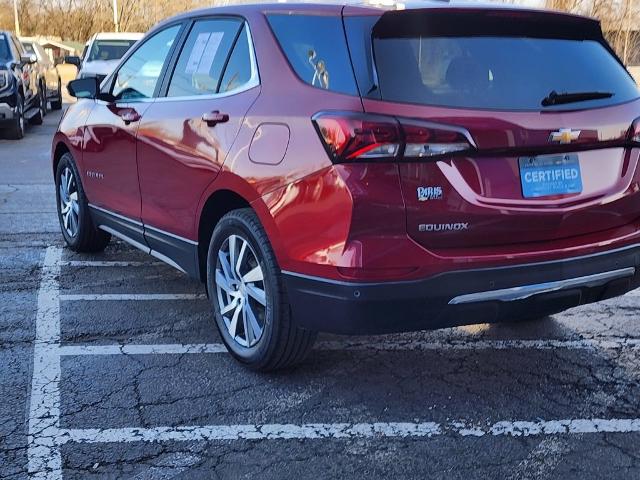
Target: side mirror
{"x": 29, "y": 59}
{"x": 73, "y": 60}
{"x": 84, "y": 87}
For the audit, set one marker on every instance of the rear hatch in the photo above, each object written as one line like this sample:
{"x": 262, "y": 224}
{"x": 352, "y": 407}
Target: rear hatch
{"x": 517, "y": 125}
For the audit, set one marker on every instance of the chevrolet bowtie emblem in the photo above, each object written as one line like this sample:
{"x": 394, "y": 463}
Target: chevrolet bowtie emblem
{"x": 564, "y": 136}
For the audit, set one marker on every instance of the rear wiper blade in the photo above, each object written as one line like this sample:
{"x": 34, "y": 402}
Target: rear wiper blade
{"x": 555, "y": 98}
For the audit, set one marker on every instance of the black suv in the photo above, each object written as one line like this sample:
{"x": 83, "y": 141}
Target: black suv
{"x": 20, "y": 96}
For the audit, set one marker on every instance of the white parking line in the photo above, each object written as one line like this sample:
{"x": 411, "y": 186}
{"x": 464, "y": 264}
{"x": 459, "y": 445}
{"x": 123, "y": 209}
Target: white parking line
{"x": 416, "y": 345}
{"x": 45, "y": 435}
{"x": 177, "y": 349}
{"x": 131, "y": 296}
{"x": 44, "y": 404}
{"x": 349, "y": 431}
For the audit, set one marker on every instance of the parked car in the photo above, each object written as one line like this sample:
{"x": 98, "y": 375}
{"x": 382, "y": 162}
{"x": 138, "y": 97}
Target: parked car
{"x": 102, "y": 53}
{"x": 49, "y": 81}
{"x": 20, "y": 97}
{"x": 361, "y": 170}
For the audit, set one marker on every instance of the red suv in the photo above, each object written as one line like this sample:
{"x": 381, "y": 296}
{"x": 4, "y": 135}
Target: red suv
{"x": 355, "y": 169}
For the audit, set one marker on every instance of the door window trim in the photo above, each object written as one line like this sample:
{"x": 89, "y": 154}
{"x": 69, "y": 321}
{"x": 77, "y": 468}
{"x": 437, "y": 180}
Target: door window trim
{"x": 254, "y": 79}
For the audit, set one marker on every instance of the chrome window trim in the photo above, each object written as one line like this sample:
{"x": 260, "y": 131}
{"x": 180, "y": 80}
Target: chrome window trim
{"x": 253, "y": 81}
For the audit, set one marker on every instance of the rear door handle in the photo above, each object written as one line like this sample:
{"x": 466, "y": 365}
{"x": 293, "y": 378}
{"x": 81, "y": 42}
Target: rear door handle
{"x": 129, "y": 116}
{"x": 214, "y": 118}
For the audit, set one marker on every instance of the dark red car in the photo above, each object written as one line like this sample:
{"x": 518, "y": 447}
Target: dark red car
{"x": 360, "y": 170}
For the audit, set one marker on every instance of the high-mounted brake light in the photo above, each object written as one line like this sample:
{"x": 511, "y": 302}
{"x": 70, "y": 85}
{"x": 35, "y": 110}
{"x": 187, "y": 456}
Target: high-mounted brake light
{"x": 352, "y": 137}
{"x": 634, "y": 133}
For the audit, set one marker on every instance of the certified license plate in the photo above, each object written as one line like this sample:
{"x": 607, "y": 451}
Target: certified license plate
{"x": 550, "y": 175}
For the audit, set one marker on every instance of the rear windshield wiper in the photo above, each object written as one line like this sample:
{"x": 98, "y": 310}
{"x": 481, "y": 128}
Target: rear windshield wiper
{"x": 555, "y": 98}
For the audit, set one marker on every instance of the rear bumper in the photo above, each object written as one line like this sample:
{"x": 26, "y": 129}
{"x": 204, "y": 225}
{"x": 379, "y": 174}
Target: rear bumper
{"x": 463, "y": 297}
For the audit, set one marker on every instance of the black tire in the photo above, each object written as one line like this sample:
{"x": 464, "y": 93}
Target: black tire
{"x": 57, "y": 103}
{"x": 38, "y": 118}
{"x": 282, "y": 342}
{"x": 16, "y": 129}
{"x": 87, "y": 238}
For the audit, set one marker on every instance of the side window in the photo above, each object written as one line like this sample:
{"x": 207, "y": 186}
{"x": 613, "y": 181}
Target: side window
{"x": 238, "y": 70}
{"x": 316, "y": 49}
{"x": 203, "y": 57}
{"x": 139, "y": 74}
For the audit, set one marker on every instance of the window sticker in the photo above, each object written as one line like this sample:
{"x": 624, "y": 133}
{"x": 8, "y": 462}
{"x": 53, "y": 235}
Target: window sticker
{"x": 203, "y": 52}
{"x": 196, "y": 53}
{"x": 210, "y": 52}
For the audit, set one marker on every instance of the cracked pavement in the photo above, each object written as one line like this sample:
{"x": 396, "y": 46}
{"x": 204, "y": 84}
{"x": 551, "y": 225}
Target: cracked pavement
{"x": 572, "y": 366}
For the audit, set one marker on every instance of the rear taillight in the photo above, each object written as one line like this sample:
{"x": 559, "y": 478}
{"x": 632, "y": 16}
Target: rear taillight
{"x": 349, "y": 137}
{"x": 634, "y": 133}
{"x": 352, "y": 137}
{"x": 431, "y": 140}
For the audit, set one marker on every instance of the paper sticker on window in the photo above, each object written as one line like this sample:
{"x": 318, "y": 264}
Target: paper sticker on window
{"x": 210, "y": 52}
{"x": 203, "y": 53}
{"x": 196, "y": 52}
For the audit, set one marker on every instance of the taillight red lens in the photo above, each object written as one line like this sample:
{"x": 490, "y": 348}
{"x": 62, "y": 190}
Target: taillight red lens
{"x": 634, "y": 133}
{"x": 350, "y": 137}
{"x": 430, "y": 140}
{"x": 358, "y": 137}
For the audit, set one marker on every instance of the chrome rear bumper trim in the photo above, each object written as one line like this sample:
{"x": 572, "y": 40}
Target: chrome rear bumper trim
{"x": 526, "y": 291}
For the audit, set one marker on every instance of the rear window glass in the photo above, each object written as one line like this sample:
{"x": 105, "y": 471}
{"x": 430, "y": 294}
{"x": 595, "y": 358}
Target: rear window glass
{"x": 316, "y": 49}
{"x": 488, "y": 71}
{"x": 109, "y": 49}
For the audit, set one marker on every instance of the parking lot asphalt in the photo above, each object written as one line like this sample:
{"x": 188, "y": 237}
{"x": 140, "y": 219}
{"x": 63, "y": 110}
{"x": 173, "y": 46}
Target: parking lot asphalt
{"x": 110, "y": 367}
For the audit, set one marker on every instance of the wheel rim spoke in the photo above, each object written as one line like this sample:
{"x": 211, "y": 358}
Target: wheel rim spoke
{"x": 253, "y": 276}
{"x": 223, "y": 282}
{"x": 253, "y": 325}
{"x": 243, "y": 248}
{"x": 257, "y": 294}
{"x": 233, "y": 326}
{"x": 248, "y": 333}
{"x": 232, "y": 306}
{"x": 232, "y": 253}
{"x": 69, "y": 205}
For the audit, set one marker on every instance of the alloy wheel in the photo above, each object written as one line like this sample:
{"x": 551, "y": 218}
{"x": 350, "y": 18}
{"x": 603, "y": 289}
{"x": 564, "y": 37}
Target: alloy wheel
{"x": 69, "y": 206}
{"x": 240, "y": 289}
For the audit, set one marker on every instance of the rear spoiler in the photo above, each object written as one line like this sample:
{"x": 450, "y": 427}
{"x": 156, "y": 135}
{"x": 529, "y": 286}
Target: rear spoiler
{"x": 453, "y": 22}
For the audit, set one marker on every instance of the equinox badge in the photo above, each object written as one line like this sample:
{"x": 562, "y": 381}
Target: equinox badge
{"x": 443, "y": 227}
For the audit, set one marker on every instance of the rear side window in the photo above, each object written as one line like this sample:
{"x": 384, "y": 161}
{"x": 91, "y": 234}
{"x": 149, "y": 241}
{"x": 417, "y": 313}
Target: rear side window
{"x": 203, "y": 57}
{"x": 493, "y": 66}
{"x": 316, "y": 49}
{"x": 239, "y": 69}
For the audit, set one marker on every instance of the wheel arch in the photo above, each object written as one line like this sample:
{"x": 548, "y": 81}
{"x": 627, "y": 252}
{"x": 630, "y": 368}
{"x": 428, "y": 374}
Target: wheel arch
{"x": 217, "y": 204}
{"x": 59, "y": 150}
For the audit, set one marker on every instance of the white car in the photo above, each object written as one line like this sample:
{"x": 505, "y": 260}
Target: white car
{"x": 102, "y": 53}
